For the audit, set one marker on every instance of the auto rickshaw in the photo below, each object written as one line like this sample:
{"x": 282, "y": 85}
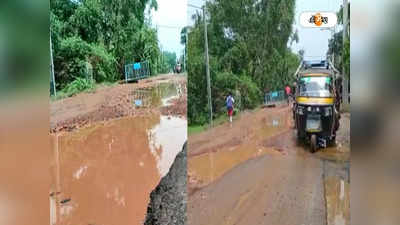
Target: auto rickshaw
{"x": 315, "y": 111}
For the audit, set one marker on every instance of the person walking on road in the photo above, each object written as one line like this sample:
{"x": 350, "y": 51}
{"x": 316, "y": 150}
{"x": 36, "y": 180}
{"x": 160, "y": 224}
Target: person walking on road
{"x": 288, "y": 93}
{"x": 229, "y": 105}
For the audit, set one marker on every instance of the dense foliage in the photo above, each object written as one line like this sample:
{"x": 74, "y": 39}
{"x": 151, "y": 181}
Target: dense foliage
{"x": 339, "y": 49}
{"x": 248, "y": 49}
{"x": 96, "y": 38}
{"x": 170, "y": 60}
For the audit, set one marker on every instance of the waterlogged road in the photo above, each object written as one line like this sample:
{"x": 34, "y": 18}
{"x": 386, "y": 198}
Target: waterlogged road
{"x": 255, "y": 172}
{"x": 104, "y": 173}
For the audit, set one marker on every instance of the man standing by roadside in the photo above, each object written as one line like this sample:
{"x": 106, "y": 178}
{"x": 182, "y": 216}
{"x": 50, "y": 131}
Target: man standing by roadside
{"x": 229, "y": 105}
{"x": 288, "y": 92}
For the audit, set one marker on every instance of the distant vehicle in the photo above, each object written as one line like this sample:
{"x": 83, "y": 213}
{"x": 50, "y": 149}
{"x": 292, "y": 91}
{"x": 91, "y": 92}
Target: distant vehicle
{"x": 178, "y": 68}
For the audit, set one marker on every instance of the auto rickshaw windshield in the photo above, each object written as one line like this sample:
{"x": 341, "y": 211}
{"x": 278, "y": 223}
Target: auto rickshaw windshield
{"x": 315, "y": 87}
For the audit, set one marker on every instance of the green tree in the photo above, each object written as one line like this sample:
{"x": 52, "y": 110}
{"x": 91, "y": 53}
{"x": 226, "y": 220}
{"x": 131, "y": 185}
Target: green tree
{"x": 170, "y": 59}
{"x": 340, "y": 50}
{"x": 184, "y": 31}
{"x": 248, "y": 52}
{"x": 103, "y": 35}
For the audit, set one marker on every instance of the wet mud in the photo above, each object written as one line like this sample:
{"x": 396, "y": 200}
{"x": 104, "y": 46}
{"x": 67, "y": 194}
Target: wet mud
{"x": 337, "y": 192}
{"x": 257, "y": 172}
{"x": 120, "y": 101}
{"x": 108, "y": 156}
{"x": 104, "y": 174}
{"x": 207, "y": 168}
{"x": 208, "y": 161}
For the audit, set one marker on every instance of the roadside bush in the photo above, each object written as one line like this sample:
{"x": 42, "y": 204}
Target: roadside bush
{"x": 103, "y": 64}
{"x": 197, "y": 91}
{"x": 74, "y": 56}
{"x": 244, "y": 90}
{"x": 71, "y": 60}
{"x": 250, "y": 93}
{"x": 78, "y": 85}
{"x": 346, "y": 58}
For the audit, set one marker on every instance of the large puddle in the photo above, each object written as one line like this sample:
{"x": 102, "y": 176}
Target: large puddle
{"x": 206, "y": 168}
{"x": 160, "y": 95}
{"x": 104, "y": 174}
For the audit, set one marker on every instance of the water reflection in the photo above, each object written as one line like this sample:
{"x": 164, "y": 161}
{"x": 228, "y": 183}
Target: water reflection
{"x": 164, "y": 138}
{"x": 160, "y": 95}
{"x": 104, "y": 174}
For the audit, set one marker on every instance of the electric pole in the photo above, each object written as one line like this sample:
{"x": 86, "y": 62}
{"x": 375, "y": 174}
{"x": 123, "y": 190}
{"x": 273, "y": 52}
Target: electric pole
{"x": 207, "y": 65}
{"x": 206, "y": 59}
{"x": 186, "y": 44}
{"x": 52, "y": 68}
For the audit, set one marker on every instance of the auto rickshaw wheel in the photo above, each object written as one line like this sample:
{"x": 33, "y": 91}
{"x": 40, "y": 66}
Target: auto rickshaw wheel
{"x": 313, "y": 142}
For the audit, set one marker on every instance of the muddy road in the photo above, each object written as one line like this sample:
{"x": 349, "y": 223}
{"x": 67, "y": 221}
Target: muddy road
{"x": 256, "y": 172}
{"x": 110, "y": 153}
{"x": 119, "y": 101}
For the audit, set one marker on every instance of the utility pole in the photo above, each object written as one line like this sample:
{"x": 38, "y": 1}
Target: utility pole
{"x": 334, "y": 44}
{"x": 207, "y": 60}
{"x": 52, "y": 67}
{"x": 186, "y": 44}
{"x": 207, "y": 65}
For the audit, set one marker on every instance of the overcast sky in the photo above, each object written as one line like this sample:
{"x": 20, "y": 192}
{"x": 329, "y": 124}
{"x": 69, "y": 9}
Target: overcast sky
{"x": 313, "y": 40}
{"x": 191, "y": 10}
{"x": 170, "y": 17}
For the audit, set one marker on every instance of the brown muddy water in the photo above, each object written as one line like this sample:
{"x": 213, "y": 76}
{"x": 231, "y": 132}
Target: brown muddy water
{"x": 161, "y": 95}
{"x": 206, "y": 168}
{"x": 104, "y": 174}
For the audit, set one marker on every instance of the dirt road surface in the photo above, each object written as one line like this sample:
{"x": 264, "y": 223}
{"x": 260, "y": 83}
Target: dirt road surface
{"x": 256, "y": 172}
{"x": 111, "y": 102}
{"x": 110, "y": 152}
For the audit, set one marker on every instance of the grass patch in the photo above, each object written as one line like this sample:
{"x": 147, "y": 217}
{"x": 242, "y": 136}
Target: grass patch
{"x": 219, "y": 120}
{"x": 80, "y": 85}
{"x": 194, "y": 129}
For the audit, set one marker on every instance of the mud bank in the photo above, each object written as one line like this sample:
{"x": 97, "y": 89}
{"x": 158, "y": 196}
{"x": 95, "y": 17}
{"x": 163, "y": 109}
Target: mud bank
{"x": 168, "y": 201}
{"x": 119, "y": 101}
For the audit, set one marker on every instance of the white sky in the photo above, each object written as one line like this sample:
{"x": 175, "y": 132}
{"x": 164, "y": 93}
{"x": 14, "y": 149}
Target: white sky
{"x": 313, "y": 40}
{"x": 170, "y": 17}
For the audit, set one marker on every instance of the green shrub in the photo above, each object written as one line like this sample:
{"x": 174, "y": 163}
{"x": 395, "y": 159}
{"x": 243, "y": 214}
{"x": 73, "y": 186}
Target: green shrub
{"x": 103, "y": 64}
{"x": 245, "y": 92}
{"x": 71, "y": 60}
{"x": 74, "y": 56}
{"x": 250, "y": 93}
{"x": 77, "y": 86}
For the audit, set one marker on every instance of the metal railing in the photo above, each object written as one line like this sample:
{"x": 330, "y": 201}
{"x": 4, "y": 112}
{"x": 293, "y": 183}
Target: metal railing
{"x": 137, "y": 71}
{"x": 274, "y": 97}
